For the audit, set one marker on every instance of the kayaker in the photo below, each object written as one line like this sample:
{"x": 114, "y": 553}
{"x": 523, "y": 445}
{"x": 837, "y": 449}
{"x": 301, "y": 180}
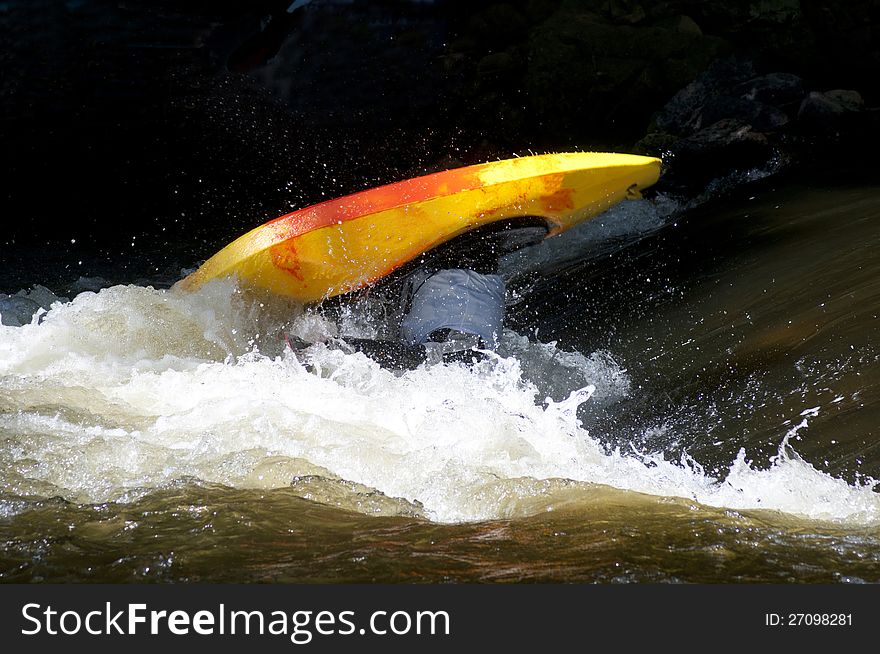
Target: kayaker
{"x": 451, "y": 307}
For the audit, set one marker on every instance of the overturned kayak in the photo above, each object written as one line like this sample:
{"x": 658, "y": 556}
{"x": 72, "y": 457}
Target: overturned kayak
{"x": 341, "y": 245}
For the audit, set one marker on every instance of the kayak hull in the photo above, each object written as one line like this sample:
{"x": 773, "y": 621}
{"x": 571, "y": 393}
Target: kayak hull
{"x": 347, "y": 243}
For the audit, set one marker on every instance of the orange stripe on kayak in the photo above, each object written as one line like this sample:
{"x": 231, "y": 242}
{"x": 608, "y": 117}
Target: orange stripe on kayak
{"x": 358, "y": 205}
{"x": 561, "y": 200}
{"x": 286, "y": 258}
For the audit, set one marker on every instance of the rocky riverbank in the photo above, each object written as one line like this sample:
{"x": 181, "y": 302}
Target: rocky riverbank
{"x": 715, "y": 88}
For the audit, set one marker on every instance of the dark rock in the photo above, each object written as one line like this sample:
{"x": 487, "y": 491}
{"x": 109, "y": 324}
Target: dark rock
{"x": 729, "y": 89}
{"x": 17, "y": 310}
{"x": 848, "y": 99}
{"x": 777, "y": 89}
{"x": 760, "y": 116}
{"x": 93, "y": 284}
{"x": 818, "y": 106}
{"x": 682, "y": 115}
{"x": 728, "y": 119}
{"x": 830, "y": 113}
{"x": 720, "y": 135}
{"x": 655, "y": 144}
{"x": 714, "y": 152}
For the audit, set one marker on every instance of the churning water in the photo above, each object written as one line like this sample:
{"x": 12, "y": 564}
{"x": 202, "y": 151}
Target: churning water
{"x": 660, "y": 409}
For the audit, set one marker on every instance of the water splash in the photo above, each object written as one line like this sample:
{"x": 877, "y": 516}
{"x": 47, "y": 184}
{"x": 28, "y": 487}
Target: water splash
{"x": 624, "y": 222}
{"x": 120, "y": 392}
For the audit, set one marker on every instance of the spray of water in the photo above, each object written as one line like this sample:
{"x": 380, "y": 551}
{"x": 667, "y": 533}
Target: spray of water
{"x": 117, "y": 393}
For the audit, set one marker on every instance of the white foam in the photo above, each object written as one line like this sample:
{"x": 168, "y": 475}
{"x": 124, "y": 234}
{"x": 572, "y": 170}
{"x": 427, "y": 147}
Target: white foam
{"x": 130, "y": 389}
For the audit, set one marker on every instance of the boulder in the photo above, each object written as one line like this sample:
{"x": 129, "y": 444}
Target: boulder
{"x": 682, "y": 115}
{"x": 713, "y": 152}
{"x": 778, "y": 89}
{"x": 16, "y": 310}
{"x": 847, "y": 99}
{"x": 828, "y": 112}
{"x": 759, "y": 116}
{"x": 730, "y": 89}
{"x": 730, "y": 118}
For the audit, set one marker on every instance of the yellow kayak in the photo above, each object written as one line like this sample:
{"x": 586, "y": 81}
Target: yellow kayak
{"x": 344, "y": 244}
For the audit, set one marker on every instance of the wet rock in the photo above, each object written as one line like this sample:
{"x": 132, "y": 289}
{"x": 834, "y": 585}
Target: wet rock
{"x": 733, "y": 119}
{"x": 42, "y": 296}
{"x": 93, "y": 284}
{"x": 655, "y": 144}
{"x": 713, "y": 152}
{"x": 760, "y": 116}
{"x": 720, "y": 123}
{"x": 16, "y": 310}
{"x": 730, "y": 89}
{"x": 817, "y": 104}
{"x": 777, "y": 89}
{"x": 682, "y": 115}
{"x": 830, "y": 111}
{"x": 847, "y": 99}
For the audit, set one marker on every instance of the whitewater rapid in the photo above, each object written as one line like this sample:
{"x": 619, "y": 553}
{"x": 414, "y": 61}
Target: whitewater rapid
{"x": 113, "y": 394}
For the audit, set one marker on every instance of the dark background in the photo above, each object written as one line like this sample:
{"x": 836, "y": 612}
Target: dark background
{"x": 140, "y": 136}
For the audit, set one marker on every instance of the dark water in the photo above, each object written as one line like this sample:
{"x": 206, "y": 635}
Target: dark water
{"x": 745, "y": 432}
{"x": 736, "y": 319}
{"x": 213, "y": 534}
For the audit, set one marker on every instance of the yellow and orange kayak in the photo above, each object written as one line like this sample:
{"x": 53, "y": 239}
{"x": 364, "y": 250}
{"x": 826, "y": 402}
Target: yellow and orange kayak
{"x": 341, "y": 245}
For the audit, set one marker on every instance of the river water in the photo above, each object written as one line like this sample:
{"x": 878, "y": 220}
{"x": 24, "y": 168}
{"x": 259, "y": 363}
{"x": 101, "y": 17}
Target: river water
{"x": 682, "y": 396}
